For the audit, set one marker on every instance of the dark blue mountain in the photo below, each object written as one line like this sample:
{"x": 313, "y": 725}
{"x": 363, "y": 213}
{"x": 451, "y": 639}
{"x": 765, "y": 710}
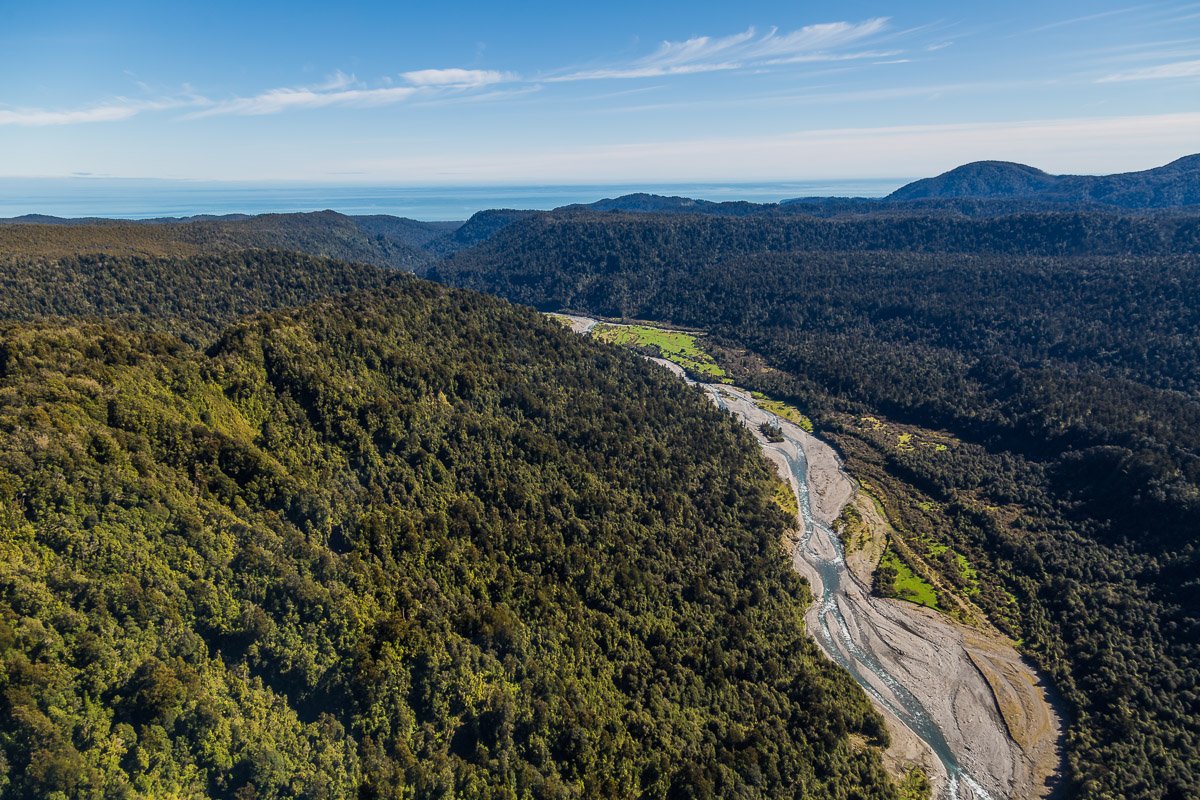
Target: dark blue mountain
{"x": 1170, "y": 186}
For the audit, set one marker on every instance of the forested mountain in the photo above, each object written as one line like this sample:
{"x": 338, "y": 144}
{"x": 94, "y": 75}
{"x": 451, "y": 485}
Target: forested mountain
{"x": 613, "y": 241}
{"x": 479, "y": 228}
{"x": 1060, "y": 349}
{"x": 1054, "y": 345}
{"x": 657, "y": 203}
{"x": 380, "y": 240}
{"x": 1171, "y": 185}
{"x": 403, "y": 542}
{"x": 412, "y": 232}
{"x": 981, "y": 188}
{"x": 193, "y": 297}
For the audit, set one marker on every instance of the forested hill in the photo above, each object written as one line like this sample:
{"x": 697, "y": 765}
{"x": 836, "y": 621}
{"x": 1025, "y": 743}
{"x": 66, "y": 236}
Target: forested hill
{"x": 403, "y": 542}
{"x": 1172, "y": 185}
{"x": 602, "y": 242}
{"x": 1060, "y": 350}
{"x": 193, "y": 296}
{"x": 379, "y": 240}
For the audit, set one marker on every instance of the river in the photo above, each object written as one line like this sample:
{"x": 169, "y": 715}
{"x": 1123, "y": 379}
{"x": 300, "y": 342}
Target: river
{"x": 937, "y": 682}
{"x": 821, "y": 550}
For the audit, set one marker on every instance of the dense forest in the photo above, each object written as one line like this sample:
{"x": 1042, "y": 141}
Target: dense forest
{"x": 1022, "y": 390}
{"x": 193, "y": 297}
{"x": 380, "y": 240}
{"x": 1057, "y": 350}
{"x": 402, "y": 542}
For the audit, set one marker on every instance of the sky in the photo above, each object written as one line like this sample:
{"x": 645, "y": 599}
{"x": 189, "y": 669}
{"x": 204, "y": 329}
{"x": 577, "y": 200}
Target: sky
{"x": 534, "y": 93}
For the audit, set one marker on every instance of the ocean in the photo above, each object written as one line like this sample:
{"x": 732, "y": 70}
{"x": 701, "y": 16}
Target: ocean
{"x": 143, "y": 199}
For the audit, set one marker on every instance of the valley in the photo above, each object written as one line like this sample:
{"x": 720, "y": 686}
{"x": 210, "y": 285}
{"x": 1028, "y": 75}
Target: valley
{"x": 301, "y": 450}
{"x": 962, "y": 706}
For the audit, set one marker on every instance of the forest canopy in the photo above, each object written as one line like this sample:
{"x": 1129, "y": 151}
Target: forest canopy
{"x": 403, "y": 542}
{"x": 1060, "y": 350}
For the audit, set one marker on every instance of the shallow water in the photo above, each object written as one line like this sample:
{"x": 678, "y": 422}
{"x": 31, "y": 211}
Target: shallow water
{"x": 830, "y": 564}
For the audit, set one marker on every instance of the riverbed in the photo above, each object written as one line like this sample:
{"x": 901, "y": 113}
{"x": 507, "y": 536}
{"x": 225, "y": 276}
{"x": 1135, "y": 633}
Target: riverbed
{"x": 960, "y": 702}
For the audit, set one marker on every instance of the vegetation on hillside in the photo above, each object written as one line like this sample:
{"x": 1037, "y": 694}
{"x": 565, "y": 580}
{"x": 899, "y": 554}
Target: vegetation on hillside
{"x": 193, "y": 297}
{"x": 679, "y": 347}
{"x": 406, "y": 542}
{"x": 1051, "y": 361}
{"x": 384, "y": 242}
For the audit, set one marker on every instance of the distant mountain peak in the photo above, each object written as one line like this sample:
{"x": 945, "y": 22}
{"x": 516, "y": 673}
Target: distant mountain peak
{"x": 1174, "y": 184}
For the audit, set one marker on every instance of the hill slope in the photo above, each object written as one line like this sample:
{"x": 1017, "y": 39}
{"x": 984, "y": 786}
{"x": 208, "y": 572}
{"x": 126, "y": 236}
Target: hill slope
{"x": 382, "y": 241}
{"x": 192, "y": 296}
{"x": 1061, "y": 385}
{"x": 405, "y": 542}
{"x": 1171, "y": 185}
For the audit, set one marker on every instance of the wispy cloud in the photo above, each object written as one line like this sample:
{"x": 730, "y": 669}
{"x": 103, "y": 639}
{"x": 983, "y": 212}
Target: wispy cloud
{"x": 275, "y": 101}
{"x": 456, "y": 77}
{"x": 1177, "y": 69}
{"x": 33, "y": 117}
{"x": 741, "y": 50}
{"x": 1088, "y": 18}
{"x": 112, "y": 111}
{"x": 347, "y": 91}
{"x": 339, "y": 89}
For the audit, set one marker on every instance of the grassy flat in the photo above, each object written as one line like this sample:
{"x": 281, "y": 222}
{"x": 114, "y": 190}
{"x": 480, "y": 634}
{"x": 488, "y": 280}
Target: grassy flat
{"x": 781, "y": 409}
{"x": 676, "y": 346}
{"x": 906, "y": 584}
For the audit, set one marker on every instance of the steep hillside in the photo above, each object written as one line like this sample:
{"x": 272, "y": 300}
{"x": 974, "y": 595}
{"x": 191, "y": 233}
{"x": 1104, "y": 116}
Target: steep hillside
{"x": 406, "y": 542}
{"x": 193, "y": 297}
{"x": 577, "y": 242}
{"x": 1171, "y": 185}
{"x": 1062, "y": 390}
{"x": 387, "y": 242}
{"x": 479, "y": 228}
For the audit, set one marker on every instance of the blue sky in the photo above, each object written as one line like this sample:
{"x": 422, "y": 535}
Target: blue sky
{"x": 592, "y": 92}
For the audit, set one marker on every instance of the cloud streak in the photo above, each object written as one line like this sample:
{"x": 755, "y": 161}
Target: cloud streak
{"x": 114, "y": 111}
{"x": 1177, "y": 69}
{"x": 38, "y": 117}
{"x": 741, "y": 50}
{"x": 456, "y": 77}
{"x": 276, "y": 101}
{"x": 826, "y": 42}
{"x": 347, "y": 91}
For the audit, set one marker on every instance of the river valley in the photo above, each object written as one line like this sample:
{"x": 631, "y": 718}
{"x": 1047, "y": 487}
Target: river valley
{"x": 960, "y": 702}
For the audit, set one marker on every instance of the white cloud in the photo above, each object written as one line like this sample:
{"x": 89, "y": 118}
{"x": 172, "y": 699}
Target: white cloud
{"x": 119, "y": 109}
{"x": 338, "y": 80}
{"x": 275, "y": 101}
{"x": 347, "y": 91}
{"x": 32, "y": 117}
{"x": 745, "y": 49}
{"x": 1089, "y": 18}
{"x": 456, "y": 77}
{"x": 815, "y": 38}
{"x": 1178, "y": 69}
{"x": 812, "y": 58}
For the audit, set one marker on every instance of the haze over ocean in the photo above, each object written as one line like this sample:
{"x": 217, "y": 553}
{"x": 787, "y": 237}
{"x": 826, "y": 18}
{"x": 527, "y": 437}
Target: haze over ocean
{"x": 142, "y": 199}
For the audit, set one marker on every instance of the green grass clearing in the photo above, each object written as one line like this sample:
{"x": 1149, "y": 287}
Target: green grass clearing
{"x": 676, "y": 346}
{"x": 896, "y": 579}
{"x": 785, "y": 498}
{"x": 969, "y": 574}
{"x": 783, "y": 410}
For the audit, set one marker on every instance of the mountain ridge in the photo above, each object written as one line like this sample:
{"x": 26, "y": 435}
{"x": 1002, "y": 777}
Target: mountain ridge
{"x": 1174, "y": 184}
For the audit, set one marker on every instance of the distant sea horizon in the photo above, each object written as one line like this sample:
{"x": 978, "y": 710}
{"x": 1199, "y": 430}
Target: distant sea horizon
{"x": 149, "y": 199}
